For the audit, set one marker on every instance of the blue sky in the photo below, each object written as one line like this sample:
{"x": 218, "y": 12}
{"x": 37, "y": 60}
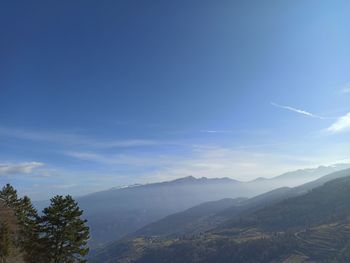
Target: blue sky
{"x": 96, "y": 94}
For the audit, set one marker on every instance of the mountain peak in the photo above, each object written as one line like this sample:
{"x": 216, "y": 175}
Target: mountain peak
{"x": 191, "y": 179}
{"x": 186, "y": 179}
{"x": 259, "y": 179}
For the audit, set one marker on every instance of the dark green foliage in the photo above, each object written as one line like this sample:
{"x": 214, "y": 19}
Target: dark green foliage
{"x": 27, "y": 217}
{"x": 9, "y": 195}
{"x": 344, "y": 256}
{"x": 221, "y": 250}
{"x": 31, "y": 243}
{"x": 59, "y": 236}
{"x": 203, "y": 249}
{"x": 65, "y": 234}
{"x": 5, "y": 241}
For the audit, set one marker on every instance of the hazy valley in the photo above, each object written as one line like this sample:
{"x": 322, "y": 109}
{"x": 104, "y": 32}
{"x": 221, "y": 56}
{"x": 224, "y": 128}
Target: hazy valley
{"x": 186, "y": 131}
{"x": 284, "y": 225}
{"x": 118, "y": 212}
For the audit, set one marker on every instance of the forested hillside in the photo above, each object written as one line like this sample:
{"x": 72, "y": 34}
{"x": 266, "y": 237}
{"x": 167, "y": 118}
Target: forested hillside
{"x": 209, "y": 215}
{"x": 313, "y": 227}
{"x": 193, "y": 220}
{"x": 118, "y": 212}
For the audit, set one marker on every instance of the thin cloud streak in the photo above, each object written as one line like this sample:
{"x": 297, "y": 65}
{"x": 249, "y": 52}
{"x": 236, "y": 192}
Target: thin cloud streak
{"x": 224, "y": 162}
{"x": 342, "y": 124}
{"x": 73, "y": 139}
{"x": 23, "y": 168}
{"x": 303, "y": 112}
{"x": 203, "y": 161}
{"x": 346, "y": 88}
{"x": 217, "y": 131}
{"x": 123, "y": 159}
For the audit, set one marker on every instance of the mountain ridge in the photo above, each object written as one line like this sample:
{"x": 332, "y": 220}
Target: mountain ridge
{"x": 191, "y": 178}
{"x": 118, "y": 212}
{"x": 244, "y": 206}
{"x": 311, "y": 227}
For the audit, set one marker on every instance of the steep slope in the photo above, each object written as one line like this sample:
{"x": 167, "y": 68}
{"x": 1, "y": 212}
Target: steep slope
{"x": 314, "y": 227}
{"x": 115, "y": 213}
{"x": 303, "y": 176}
{"x": 209, "y": 215}
{"x": 280, "y": 194}
{"x": 193, "y": 220}
{"x": 328, "y": 203}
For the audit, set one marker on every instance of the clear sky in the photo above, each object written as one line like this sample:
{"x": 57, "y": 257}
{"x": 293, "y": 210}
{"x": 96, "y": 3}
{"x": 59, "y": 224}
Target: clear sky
{"x": 96, "y": 94}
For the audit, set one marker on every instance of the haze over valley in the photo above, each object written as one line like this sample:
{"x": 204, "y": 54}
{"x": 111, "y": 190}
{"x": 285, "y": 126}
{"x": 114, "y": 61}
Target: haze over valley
{"x": 187, "y": 131}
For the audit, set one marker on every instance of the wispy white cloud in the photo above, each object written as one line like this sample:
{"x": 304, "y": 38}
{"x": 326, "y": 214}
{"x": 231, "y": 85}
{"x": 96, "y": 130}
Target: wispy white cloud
{"x": 342, "y": 124}
{"x": 103, "y": 170}
{"x": 227, "y": 162}
{"x": 24, "y": 168}
{"x": 135, "y": 160}
{"x": 64, "y": 186}
{"x": 242, "y": 164}
{"x": 88, "y": 156}
{"x": 217, "y": 131}
{"x": 73, "y": 139}
{"x": 124, "y": 143}
{"x": 346, "y": 88}
{"x": 303, "y": 112}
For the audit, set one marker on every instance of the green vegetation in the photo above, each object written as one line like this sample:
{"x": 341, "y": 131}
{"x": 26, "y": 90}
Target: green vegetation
{"x": 5, "y": 241}
{"x": 58, "y": 236}
{"x": 64, "y": 233}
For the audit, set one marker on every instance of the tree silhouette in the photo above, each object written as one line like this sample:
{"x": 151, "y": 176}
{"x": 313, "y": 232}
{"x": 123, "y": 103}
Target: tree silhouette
{"x": 5, "y": 241}
{"x": 65, "y": 233}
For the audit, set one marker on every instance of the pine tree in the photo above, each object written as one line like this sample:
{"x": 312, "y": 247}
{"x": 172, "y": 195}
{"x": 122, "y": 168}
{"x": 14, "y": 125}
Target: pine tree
{"x": 65, "y": 234}
{"x": 30, "y": 231}
{"x": 28, "y": 237}
{"x": 9, "y": 195}
{"x": 5, "y": 242}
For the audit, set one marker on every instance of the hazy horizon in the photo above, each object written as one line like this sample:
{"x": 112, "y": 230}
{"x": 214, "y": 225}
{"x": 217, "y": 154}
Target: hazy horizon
{"x": 96, "y": 95}
{"x": 187, "y": 131}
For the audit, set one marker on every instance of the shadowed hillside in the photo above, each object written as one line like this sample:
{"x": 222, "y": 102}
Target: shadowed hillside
{"x": 313, "y": 227}
{"x": 191, "y": 221}
{"x": 209, "y": 215}
{"x": 118, "y": 212}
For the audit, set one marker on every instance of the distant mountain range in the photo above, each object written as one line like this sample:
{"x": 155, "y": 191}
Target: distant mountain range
{"x": 209, "y": 215}
{"x": 308, "y": 223}
{"x": 303, "y": 176}
{"x": 118, "y": 212}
